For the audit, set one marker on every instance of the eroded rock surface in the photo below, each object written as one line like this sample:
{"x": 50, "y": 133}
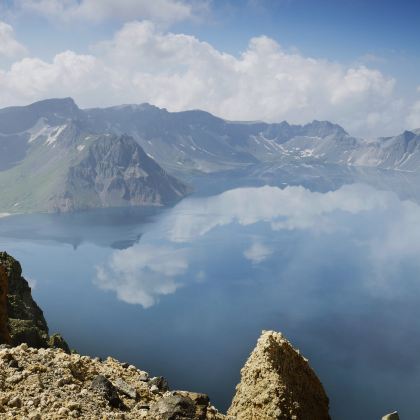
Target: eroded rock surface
{"x": 51, "y": 384}
{"x": 278, "y": 383}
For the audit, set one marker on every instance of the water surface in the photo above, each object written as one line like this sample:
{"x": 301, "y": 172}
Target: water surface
{"x": 185, "y": 292}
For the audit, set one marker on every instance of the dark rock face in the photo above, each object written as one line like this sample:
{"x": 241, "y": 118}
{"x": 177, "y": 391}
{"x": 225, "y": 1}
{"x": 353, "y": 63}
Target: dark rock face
{"x": 25, "y": 319}
{"x": 173, "y": 407}
{"x": 57, "y": 341}
{"x": 201, "y": 403}
{"x": 125, "y": 388}
{"x": 116, "y": 172}
{"x": 105, "y": 388}
{"x": 160, "y": 382}
{"x": 4, "y": 330}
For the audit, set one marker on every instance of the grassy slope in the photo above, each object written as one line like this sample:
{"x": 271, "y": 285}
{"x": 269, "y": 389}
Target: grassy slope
{"x": 35, "y": 180}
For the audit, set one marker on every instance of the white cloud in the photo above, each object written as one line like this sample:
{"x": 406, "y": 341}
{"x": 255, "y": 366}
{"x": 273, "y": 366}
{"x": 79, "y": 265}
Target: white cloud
{"x": 378, "y": 223}
{"x": 289, "y": 208}
{"x": 32, "y": 78}
{"x": 166, "y": 11}
{"x": 413, "y": 118}
{"x": 9, "y": 46}
{"x": 143, "y": 273}
{"x": 382, "y": 228}
{"x": 257, "y": 252}
{"x": 178, "y": 71}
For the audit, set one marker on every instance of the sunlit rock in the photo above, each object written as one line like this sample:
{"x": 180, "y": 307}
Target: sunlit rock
{"x": 278, "y": 383}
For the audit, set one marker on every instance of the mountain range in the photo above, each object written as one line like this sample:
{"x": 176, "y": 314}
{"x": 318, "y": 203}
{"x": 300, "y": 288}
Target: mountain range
{"x": 55, "y": 156}
{"x": 51, "y": 161}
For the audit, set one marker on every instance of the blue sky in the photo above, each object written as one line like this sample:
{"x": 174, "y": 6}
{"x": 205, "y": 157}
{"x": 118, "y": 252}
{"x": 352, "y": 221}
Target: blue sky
{"x": 354, "y": 62}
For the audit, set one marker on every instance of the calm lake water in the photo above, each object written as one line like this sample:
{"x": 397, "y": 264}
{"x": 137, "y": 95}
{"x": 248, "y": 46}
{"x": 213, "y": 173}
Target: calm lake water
{"x": 185, "y": 292}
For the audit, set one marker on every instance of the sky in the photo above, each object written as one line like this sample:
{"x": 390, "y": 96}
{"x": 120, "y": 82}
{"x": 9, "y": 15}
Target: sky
{"x": 356, "y": 63}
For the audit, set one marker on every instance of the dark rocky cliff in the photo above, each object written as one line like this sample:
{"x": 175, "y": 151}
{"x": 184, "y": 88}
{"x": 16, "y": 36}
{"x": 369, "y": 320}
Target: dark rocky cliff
{"x": 25, "y": 319}
{"x": 116, "y": 172}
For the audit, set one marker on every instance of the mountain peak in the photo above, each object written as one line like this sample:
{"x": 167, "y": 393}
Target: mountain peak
{"x": 324, "y": 128}
{"x": 56, "y": 106}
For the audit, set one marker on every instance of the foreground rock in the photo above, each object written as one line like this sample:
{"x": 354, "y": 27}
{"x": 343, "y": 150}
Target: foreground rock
{"x": 25, "y": 319}
{"x": 51, "y": 384}
{"x": 278, "y": 383}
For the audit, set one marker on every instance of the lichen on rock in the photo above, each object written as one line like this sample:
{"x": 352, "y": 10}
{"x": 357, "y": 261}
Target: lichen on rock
{"x": 278, "y": 383}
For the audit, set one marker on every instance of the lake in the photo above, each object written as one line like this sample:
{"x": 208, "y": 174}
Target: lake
{"x": 185, "y": 292}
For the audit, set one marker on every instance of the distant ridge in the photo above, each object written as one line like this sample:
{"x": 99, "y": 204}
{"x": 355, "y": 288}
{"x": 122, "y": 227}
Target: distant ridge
{"x": 45, "y": 144}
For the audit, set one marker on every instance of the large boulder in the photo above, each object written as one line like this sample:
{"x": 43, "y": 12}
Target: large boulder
{"x": 278, "y": 383}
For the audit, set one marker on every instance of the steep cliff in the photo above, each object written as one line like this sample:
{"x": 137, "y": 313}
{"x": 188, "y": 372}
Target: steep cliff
{"x": 114, "y": 171}
{"x": 26, "y": 322}
{"x": 278, "y": 383}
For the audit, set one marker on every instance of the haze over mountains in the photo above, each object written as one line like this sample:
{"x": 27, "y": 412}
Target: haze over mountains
{"x": 57, "y": 157}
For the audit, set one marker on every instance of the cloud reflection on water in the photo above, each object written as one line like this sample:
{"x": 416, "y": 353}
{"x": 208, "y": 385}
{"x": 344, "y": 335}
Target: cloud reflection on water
{"x": 142, "y": 273}
{"x": 376, "y": 222}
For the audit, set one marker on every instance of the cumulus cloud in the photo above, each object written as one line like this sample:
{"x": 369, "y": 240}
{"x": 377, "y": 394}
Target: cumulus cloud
{"x": 257, "y": 252}
{"x": 167, "y": 11}
{"x": 177, "y": 71}
{"x": 9, "y": 46}
{"x": 143, "y": 273}
{"x": 32, "y": 78}
{"x": 413, "y": 118}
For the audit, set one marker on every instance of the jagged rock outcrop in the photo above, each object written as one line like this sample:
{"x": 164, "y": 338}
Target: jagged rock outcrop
{"x": 50, "y": 384}
{"x": 278, "y": 383}
{"x": 4, "y": 330}
{"x": 25, "y": 319}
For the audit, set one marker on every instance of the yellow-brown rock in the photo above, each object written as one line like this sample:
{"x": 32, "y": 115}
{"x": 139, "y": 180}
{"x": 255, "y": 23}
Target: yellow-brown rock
{"x": 278, "y": 383}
